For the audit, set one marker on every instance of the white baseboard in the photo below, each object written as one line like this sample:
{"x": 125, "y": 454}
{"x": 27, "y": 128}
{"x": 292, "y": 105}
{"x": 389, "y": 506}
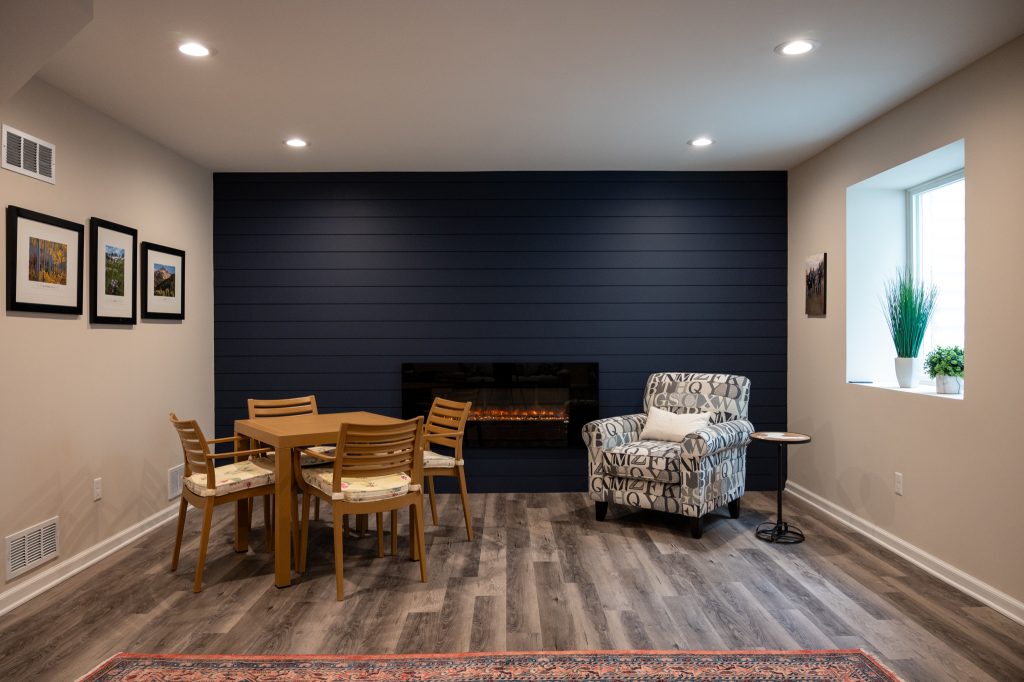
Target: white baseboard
{"x": 50, "y": 577}
{"x": 968, "y": 584}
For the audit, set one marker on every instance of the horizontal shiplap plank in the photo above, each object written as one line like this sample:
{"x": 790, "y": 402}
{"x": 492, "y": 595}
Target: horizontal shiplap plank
{"x": 583, "y": 226}
{"x": 697, "y": 313}
{"x": 460, "y": 190}
{"x": 523, "y": 207}
{"x": 503, "y": 277}
{"x": 383, "y": 245}
{"x": 570, "y": 295}
{"x": 475, "y": 329}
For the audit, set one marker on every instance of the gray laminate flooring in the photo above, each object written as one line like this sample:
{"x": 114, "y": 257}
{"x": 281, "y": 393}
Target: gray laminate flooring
{"x": 542, "y": 574}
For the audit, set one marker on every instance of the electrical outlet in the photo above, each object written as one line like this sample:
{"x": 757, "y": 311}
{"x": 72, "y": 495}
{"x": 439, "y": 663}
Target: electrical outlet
{"x": 174, "y": 475}
{"x": 97, "y": 489}
{"x": 898, "y": 483}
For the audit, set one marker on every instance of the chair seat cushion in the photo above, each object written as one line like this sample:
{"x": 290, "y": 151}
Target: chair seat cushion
{"x": 432, "y": 460}
{"x": 230, "y": 478}
{"x": 648, "y": 460}
{"x": 359, "y": 489}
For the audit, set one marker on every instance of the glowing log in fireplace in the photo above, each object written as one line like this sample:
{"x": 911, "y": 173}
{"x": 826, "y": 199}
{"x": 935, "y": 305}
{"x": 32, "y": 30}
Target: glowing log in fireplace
{"x": 526, "y": 414}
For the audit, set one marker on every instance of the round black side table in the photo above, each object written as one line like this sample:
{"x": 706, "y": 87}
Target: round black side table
{"x": 780, "y": 532}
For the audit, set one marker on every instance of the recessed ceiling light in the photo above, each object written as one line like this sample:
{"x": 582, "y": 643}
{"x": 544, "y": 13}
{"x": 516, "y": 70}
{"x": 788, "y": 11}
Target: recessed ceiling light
{"x": 701, "y": 141}
{"x": 296, "y": 142}
{"x": 796, "y": 47}
{"x": 194, "y": 50}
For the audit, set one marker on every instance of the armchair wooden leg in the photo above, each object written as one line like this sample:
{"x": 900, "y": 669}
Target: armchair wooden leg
{"x": 339, "y": 555}
{"x": 465, "y": 503}
{"x": 600, "y": 510}
{"x": 204, "y": 540}
{"x": 419, "y": 540}
{"x": 697, "y": 527}
{"x": 734, "y": 509}
{"x": 433, "y": 504}
{"x": 380, "y": 535}
{"x": 182, "y": 510}
{"x": 394, "y": 532}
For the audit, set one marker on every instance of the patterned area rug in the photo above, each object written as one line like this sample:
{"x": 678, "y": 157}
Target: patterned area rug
{"x": 850, "y": 665}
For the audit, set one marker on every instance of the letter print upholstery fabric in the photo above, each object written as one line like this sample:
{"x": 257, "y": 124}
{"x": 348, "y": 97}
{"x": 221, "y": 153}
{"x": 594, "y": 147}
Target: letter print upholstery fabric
{"x": 705, "y": 471}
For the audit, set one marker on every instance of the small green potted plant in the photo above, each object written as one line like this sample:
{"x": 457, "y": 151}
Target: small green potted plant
{"x": 945, "y": 364}
{"x": 908, "y": 306}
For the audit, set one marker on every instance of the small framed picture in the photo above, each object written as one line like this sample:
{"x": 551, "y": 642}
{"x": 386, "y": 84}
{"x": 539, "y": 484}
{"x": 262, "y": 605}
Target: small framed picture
{"x": 44, "y": 263}
{"x": 163, "y": 282}
{"x": 815, "y": 274}
{"x": 112, "y": 281}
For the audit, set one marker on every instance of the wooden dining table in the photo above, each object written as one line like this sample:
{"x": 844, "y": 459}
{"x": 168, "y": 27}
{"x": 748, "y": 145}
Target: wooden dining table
{"x": 285, "y": 434}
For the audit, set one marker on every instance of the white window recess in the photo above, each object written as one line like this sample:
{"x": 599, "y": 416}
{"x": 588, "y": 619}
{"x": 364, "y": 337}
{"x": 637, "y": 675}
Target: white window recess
{"x": 31, "y": 547}
{"x": 28, "y": 155}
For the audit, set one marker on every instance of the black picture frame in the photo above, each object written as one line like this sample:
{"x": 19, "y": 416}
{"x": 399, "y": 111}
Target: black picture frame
{"x": 150, "y": 311}
{"x": 816, "y": 283}
{"x": 29, "y": 294}
{"x": 130, "y": 281}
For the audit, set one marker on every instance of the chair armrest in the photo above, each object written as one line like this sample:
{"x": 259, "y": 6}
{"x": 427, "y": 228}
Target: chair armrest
{"x": 716, "y": 437}
{"x": 611, "y": 432}
{"x": 225, "y": 439}
{"x": 237, "y": 453}
{"x": 316, "y": 454}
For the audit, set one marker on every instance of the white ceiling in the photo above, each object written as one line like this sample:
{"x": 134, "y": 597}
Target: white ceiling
{"x": 440, "y": 85}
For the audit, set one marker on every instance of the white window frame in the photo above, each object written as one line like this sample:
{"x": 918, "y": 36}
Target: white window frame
{"x": 913, "y": 203}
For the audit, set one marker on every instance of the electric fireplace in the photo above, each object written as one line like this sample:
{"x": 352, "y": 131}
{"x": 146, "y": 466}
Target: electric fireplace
{"x": 515, "y": 405}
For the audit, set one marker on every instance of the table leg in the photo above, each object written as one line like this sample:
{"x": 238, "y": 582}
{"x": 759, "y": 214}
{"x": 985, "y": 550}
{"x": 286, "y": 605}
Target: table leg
{"x": 283, "y": 518}
{"x": 781, "y": 487}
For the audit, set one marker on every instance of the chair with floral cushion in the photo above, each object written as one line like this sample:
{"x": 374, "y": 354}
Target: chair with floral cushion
{"x": 702, "y": 471}
{"x": 374, "y": 469}
{"x": 446, "y": 427}
{"x": 207, "y": 486}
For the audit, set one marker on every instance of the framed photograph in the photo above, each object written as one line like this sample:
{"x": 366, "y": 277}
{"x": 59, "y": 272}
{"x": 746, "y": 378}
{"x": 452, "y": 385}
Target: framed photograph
{"x": 163, "y": 282}
{"x": 815, "y": 272}
{"x": 44, "y": 263}
{"x": 112, "y": 281}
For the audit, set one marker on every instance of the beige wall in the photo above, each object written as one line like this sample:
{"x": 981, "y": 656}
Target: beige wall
{"x": 79, "y": 402}
{"x": 961, "y": 460}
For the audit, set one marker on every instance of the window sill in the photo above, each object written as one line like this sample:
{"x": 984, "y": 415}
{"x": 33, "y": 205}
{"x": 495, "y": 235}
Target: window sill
{"x": 920, "y": 389}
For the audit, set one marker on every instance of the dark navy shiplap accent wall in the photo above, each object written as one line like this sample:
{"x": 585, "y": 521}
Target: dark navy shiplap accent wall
{"x": 326, "y": 282}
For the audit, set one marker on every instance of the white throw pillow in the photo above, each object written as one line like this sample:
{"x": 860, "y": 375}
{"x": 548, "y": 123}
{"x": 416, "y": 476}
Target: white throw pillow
{"x": 665, "y": 425}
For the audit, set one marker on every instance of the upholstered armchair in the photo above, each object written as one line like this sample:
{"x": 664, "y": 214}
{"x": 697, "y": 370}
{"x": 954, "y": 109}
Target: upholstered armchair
{"x": 703, "y": 472}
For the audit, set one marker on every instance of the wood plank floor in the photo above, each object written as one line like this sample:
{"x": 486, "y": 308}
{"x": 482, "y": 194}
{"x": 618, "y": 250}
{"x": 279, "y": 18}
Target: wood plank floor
{"x": 542, "y": 574}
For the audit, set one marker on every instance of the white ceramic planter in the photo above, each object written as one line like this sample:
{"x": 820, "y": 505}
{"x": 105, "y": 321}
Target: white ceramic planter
{"x": 908, "y": 372}
{"x": 945, "y": 384}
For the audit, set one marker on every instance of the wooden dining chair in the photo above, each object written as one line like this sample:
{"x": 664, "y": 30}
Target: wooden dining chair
{"x": 446, "y": 427}
{"x": 374, "y": 469}
{"x": 207, "y": 486}
{"x": 287, "y": 407}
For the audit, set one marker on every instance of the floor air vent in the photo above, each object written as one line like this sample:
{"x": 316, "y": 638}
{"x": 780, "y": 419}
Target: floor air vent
{"x": 28, "y": 155}
{"x": 33, "y": 546}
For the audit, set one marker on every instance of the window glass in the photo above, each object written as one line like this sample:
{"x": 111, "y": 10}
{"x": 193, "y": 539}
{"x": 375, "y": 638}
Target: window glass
{"x": 938, "y": 238}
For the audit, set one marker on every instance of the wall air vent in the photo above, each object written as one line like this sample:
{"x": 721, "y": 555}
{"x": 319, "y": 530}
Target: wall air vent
{"x": 28, "y": 548}
{"x": 28, "y": 155}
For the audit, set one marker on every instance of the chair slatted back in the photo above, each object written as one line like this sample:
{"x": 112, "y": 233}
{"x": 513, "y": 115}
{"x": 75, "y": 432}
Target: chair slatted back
{"x": 364, "y": 451}
{"x": 195, "y": 448}
{"x": 446, "y": 418}
{"x": 283, "y": 407}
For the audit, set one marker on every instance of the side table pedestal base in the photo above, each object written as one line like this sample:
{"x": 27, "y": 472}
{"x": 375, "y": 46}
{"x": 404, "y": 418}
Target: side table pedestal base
{"x": 779, "y": 532}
